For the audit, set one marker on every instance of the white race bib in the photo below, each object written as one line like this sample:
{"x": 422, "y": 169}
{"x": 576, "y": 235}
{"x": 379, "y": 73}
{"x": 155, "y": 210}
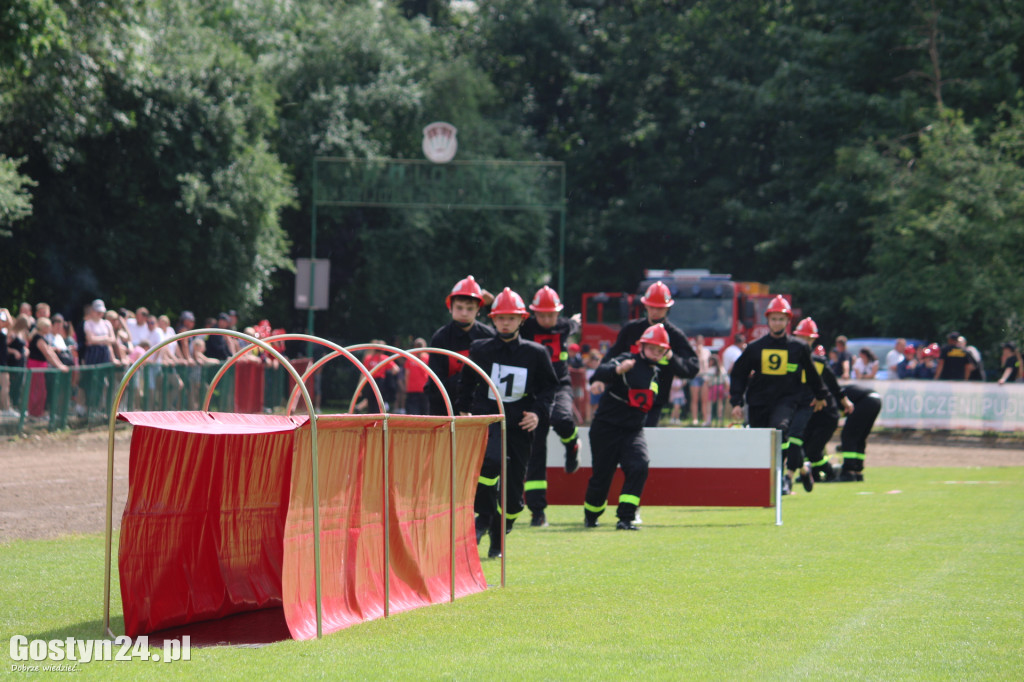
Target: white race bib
{"x": 511, "y": 382}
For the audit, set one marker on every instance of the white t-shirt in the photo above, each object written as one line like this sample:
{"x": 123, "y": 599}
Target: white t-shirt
{"x": 154, "y": 336}
{"x": 861, "y": 368}
{"x": 892, "y": 359}
{"x": 137, "y": 331}
{"x": 729, "y": 356}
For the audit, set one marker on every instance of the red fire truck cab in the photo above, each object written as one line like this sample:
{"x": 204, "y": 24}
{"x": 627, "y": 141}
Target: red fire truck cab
{"x": 712, "y": 305}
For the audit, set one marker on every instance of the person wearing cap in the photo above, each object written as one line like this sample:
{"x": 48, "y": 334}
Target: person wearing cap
{"x": 955, "y": 363}
{"x": 656, "y": 301}
{"x": 1010, "y": 363}
{"x": 522, "y": 373}
{"x": 551, "y": 330}
{"x": 617, "y": 432}
{"x": 99, "y": 335}
{"x": 464, "y": 302}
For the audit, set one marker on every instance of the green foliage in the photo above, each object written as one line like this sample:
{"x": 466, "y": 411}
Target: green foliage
{"x": 950, "y": 221}
{"x": 170, "y": 144}
{"x": 147, "y": 137}
{"x": 15, "y": 200}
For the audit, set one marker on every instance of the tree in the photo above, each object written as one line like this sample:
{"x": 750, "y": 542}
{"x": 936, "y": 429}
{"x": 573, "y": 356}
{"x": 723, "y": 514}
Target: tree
{"x": 15, "y": 200}
{"x": 147, "y": 137}
{"x": 947, "y": 233}
{"x": 362, "y": 81}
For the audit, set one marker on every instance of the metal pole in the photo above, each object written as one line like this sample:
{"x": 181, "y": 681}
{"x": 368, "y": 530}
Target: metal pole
{"x": 777, "y": 458}
{"x": 312, "y": 262}
{"x": 561, "y": 239}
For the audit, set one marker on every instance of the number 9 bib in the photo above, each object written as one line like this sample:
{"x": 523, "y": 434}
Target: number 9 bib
{"x": 774, "y": 361}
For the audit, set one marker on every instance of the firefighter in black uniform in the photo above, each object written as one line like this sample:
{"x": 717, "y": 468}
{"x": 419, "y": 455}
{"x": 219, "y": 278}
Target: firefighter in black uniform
{"x": 767, "y": 375}
{"x": 463, "y": 303}
{"x": 823, "y": 423}
{"x": 853, "y": 442}
{"x": 522, "y": 372}
{"x": 552, "y": 331}
{"x": 657, "y": 302}
{"x": 617, "y": 431}
{"x": 955, "y": 363}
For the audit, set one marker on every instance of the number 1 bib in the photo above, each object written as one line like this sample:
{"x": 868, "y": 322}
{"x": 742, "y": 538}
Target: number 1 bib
{"x": 511, "y": 382}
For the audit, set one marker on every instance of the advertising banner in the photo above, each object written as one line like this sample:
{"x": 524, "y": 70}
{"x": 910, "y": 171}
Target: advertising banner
{"x": 921, "y": 404}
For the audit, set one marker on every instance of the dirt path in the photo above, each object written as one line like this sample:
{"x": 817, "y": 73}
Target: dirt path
{"x": 56, "y": 485}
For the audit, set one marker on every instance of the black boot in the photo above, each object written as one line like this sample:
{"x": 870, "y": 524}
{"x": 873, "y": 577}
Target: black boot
{"x": 482, "y": 523}
{"x": 572, "y": 456}
{"x": 494, "y": 533}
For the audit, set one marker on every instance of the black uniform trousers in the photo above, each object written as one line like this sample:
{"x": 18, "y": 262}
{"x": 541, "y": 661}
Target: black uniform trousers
{"x": 487, "y": 504}
{"x": 610, "y": 448}
{"x": 790, "y": 416}
{"x": 819, "y": 431}
{"x": 562, "y": 422}
{"x": 854, "y": 438}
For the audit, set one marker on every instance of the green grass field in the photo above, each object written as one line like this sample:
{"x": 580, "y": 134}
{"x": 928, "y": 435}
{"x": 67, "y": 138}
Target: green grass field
{"x": 917, "y": 574}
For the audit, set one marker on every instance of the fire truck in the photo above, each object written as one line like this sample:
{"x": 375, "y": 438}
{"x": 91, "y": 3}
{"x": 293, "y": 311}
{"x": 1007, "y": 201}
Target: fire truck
{"x": 711, "y": 305}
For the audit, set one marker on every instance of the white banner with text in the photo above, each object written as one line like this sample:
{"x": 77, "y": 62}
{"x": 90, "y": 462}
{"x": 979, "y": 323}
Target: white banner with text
{"x": 920, "y": 404}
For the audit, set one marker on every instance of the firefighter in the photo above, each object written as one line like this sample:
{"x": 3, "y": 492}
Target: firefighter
{"x": 767, "y": 378}
{"x": 657, "y": 301}
{"x": 823, "y": 423}
{"x": 552, "y": 331}
{"x": 853, "y": 442}
{"x": 617, "y": 433}
{"x": 522, "y": 372}
{"x": 464, "y": 302}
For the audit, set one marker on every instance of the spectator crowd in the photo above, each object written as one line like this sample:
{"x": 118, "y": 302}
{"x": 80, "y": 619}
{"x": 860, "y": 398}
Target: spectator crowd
{"x": 33, "y": 338}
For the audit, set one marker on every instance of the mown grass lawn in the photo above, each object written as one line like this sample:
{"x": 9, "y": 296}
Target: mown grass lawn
{"x": 915, "y": 574}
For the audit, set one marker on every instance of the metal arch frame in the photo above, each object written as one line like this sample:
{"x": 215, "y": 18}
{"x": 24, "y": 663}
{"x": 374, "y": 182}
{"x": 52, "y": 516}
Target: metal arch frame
{"x": 444, "y": 393}
{"x": 300, "y": 387}
{"x": 129, "y": 373}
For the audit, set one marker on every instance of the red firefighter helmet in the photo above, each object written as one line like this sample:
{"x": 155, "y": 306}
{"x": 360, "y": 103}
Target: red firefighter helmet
{"x": 819, "y": 351}
{"x": 656, "y": 336}
{"x": 807, "y": 328}
{"x": 508, "y": 302}
{"x": 465, "y": 287}
{"x": 932, "y": 350}
{"x": 546, "y": 301}
{"x": 658, "y": 296}
{"x": 779, "y": 305}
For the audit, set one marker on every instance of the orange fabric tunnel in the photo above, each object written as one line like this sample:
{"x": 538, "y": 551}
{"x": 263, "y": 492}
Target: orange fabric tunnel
{"x": 219, "y": 518}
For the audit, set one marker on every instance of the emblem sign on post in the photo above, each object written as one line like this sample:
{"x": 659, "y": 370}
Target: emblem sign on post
{"x": 439, "y": 142}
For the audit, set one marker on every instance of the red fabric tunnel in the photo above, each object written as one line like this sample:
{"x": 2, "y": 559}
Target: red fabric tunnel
{"x": 219, "y": 518}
